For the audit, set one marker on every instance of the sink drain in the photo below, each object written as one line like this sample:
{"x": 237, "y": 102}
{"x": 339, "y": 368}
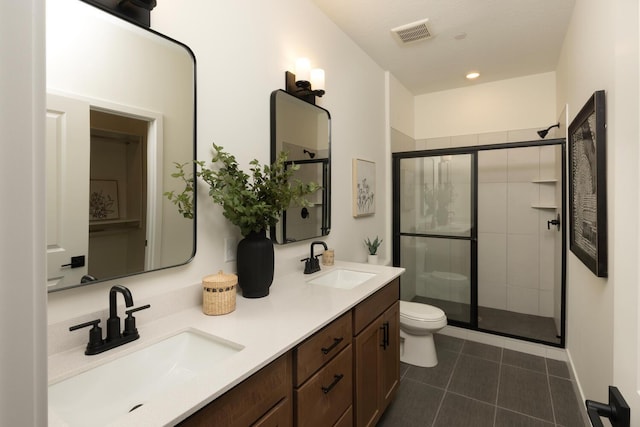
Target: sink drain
{"x": 135, "y": 407}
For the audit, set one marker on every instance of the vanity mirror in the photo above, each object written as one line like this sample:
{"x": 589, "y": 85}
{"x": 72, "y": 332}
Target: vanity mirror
{"x": 303, "y": 130}
{"x": 120, "y": 112}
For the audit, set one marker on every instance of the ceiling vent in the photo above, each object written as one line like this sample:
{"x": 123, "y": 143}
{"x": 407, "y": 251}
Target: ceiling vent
{"x": 413, "y": 32}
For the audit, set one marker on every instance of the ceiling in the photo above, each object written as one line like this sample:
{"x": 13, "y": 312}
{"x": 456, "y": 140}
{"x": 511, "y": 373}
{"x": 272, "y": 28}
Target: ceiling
{"x": 500, "y": 39}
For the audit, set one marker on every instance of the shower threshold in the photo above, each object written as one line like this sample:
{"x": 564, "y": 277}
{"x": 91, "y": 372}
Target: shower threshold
{"x": 527, "y": 326}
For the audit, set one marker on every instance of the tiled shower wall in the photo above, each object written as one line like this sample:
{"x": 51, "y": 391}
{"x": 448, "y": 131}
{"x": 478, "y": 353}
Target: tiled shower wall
{"x": 516, "y": 197}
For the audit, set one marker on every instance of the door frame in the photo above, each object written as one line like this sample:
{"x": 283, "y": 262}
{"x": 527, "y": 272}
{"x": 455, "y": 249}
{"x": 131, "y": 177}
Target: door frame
{"x": 155, "y": 170}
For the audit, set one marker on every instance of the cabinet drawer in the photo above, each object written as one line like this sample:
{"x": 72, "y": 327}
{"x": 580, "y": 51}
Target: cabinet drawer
{"x": 249, "y": 400}
{"x": 367, "y": 311}
{"x": 323, "y": 399}
{"x": 320, "y": 348}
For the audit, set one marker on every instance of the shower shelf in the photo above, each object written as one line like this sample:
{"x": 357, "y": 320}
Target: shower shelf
{"x": 544, "y": 205}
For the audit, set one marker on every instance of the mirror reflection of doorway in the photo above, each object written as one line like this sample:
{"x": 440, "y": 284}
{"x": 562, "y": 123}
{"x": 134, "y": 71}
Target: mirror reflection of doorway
{"x": 118, "y": 195}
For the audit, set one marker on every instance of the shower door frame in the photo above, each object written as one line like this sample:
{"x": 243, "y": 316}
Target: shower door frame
{"x": 473, "y": 151}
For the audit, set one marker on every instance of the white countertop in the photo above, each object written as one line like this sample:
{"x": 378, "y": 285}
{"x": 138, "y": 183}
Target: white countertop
{"x": 267, "y": 328}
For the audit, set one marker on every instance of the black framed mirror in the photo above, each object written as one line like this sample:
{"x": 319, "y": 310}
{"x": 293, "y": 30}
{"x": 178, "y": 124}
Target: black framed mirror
{"x": 120, "y": 111}
{"x": 303, "y": 131}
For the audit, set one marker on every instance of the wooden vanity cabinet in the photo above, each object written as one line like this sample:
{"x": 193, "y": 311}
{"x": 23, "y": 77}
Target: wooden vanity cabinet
{"x": 346, "y": 374}
{"x": 376, "y": 347}
{"x": 264, "y": 400}
{"x": 323, "y": 377}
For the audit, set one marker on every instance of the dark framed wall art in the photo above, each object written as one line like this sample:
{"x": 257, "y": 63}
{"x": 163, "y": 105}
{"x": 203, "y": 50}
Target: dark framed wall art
{"x": 588, "y": 185}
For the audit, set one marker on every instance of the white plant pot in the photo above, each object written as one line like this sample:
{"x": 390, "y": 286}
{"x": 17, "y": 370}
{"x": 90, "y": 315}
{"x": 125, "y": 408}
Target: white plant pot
{"x": 372, "y": 259}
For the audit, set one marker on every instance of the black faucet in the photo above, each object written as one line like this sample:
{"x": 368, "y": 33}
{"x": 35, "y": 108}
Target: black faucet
{"x": 312, "y": 264}
{"x": 113, "y": 322}
{"x": 114, "y": 337}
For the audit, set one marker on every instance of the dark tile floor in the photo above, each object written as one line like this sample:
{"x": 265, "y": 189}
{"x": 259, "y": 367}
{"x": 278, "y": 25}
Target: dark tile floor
{"x": 478, "y": 385}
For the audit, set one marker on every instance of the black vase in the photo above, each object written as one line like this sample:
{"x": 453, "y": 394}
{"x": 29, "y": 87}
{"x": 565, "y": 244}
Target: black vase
{"x": 255, "y": 265}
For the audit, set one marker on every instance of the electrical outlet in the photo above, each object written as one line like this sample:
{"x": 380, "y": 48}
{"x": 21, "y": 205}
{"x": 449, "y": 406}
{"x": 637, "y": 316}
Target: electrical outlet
{"x": 230, "y": 246}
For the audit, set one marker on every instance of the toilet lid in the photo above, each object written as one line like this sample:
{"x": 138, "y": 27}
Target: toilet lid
{"x": 417, "y": 311}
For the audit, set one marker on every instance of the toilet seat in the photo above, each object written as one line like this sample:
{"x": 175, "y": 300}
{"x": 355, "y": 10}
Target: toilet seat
{"x": 421, "y": 312}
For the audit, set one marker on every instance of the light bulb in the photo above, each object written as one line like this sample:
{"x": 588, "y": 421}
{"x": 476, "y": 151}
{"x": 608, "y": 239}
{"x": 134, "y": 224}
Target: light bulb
{"x": 317, "y": 79}
{"x": 303, "y": 69}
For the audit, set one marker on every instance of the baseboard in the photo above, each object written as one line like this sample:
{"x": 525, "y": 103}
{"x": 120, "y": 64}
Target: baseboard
{"x": 577, "y": 388}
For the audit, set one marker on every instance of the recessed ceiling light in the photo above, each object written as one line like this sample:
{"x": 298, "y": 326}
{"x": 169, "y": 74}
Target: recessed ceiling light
{"x": 473, "y": 75}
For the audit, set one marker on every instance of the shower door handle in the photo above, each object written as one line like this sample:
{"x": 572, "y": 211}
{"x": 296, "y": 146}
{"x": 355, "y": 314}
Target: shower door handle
{"x": 555, "y": 222}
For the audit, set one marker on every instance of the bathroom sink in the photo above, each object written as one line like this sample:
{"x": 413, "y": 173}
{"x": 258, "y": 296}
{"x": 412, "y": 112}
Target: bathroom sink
{"x": 342, "y": 279}
{"x": 103, "y": 394}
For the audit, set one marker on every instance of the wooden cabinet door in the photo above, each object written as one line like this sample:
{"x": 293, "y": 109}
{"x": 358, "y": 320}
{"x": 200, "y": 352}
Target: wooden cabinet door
{"x": 390, "y": 354}
{"x": 368, "y": 382}
{"x": 278, "y": 416}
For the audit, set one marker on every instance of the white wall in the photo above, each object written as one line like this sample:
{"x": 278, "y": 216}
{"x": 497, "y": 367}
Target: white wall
{"x": 23, "y": 363}
{"x": 401, "y": 111}
{"x": 602, "y": 333}
{"x": 241, "y": 57}
{"x": 519, "y": 103}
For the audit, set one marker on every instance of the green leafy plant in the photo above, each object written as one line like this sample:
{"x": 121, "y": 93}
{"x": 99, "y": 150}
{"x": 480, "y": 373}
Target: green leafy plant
{"x": 373, "y": 246}
{"x": 184, "y": 199}
{"x": 254, "y": 201}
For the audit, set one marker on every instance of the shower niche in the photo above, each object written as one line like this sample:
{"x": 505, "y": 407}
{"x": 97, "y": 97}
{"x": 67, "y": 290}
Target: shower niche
{"x": 471, "y": 228}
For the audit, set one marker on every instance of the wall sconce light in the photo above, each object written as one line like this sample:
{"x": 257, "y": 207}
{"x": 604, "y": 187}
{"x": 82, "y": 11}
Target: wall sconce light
{"x": 302, "y": 83}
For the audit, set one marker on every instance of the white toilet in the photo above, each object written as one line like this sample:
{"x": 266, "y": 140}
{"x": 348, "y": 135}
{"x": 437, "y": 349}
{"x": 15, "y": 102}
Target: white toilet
{"x": 418, "y": 323}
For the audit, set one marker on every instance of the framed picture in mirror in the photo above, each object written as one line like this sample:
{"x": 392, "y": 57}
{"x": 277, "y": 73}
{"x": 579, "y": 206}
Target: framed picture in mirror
{"x": 103, "y": 200}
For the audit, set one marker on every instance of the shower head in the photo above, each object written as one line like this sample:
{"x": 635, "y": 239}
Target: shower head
{"x": 310, "y": 153}
{"x": 542, "y": 133}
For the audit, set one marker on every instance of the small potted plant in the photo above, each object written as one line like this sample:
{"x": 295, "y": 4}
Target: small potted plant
{"x": 372, "y": 247}
{"x": 253, "y": 202}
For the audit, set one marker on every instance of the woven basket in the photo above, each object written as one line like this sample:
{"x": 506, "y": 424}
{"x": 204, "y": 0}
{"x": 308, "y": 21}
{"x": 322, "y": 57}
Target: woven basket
{"x": 219, "y": 293}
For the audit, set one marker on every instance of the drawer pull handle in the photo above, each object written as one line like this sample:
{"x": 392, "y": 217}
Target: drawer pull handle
{"x": 336, "y": 380}
{"x": 336, "y": 341}
{"x": 385, "y": 335}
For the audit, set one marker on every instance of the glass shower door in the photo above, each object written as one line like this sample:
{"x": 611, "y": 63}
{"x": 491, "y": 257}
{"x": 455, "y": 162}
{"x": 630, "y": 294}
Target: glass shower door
{"x": 435, "y": 232}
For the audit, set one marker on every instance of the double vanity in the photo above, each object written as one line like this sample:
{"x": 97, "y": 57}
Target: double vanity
{"x": 321, "y": 349}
